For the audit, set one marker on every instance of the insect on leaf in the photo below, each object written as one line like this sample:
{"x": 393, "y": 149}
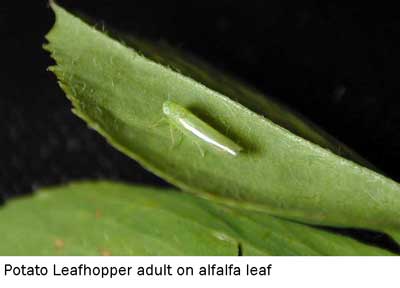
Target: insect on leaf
{"x": 195, "y": 128}
{"x": 120, "y": 93}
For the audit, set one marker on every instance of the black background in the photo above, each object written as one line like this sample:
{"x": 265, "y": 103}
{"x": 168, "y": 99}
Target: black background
{"x": 336, "y": 65}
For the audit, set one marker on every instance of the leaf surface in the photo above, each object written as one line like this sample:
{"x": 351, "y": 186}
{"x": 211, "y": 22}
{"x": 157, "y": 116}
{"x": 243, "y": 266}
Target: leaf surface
{"x": 104, "y": 218}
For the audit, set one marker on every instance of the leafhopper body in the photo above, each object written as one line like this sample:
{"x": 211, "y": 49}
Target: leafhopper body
{"x": 193, "y": 127}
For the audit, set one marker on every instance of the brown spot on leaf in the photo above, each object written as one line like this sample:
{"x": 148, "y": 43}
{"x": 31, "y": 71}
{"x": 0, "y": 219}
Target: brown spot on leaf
{"x": 105, "y": 252}
{"x": 59, "y": 244}
{"x": 98, "y": 214}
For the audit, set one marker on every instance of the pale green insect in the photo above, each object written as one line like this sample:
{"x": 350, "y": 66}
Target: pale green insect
{"x": 192, "y": 126}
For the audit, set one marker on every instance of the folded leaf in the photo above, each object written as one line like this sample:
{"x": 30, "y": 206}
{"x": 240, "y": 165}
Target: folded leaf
{"x": 120, "y": 94}
{"x": 107, "y": 218}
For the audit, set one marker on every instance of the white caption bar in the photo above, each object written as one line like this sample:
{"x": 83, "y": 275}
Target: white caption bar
{"x": 199, "y": 271}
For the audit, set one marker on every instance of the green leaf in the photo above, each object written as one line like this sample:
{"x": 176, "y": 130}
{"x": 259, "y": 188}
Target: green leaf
{"x": 120, "y": 93}
{"x": 108, "y": 218}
